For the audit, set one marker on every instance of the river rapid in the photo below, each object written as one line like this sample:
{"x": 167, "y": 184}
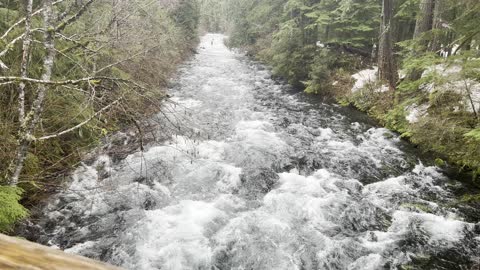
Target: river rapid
{"x": 253, "y": 175}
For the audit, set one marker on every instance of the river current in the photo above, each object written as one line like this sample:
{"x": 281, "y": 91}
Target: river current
{"x": 253, "y": 175}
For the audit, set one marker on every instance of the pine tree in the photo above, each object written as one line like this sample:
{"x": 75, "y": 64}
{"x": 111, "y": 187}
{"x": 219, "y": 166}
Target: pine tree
{"x": 387, "y": 68}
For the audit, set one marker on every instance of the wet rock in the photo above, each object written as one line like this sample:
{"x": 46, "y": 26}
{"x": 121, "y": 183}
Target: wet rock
{"x": 68, "y": 198}
{"x": 149, "y": 203}
{"x": 285, "y": 122}
{"x": 365, "y": 216}
{"x": 257, "y": 182}
{"x": 476, "y": 228}
{"x": 354, "y": 187}
{"x": 29, "y": 230}
{"x": 118, "y": 139}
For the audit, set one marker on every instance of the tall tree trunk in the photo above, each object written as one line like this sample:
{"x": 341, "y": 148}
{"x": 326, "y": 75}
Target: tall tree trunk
{"x": 33, "y": 117}
{"x": 436, "y": 44}
{"x": 423, "y": 24}
{"x": 27, "y": 40}
{"x": 387, "y": 68}
{"x": 424, "y": 18}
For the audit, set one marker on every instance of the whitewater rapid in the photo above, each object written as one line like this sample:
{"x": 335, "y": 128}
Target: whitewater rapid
{"x": 253, "y": 175}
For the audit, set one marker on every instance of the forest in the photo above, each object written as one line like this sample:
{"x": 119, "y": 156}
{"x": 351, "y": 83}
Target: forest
{"x": 425, "y": 53}
{"x": 74, "y": 73}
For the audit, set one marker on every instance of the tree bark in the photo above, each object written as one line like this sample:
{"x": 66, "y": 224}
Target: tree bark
{"x": 423, "y": 24}
{"x": 31, "y": 120}
{"x": 436, "y": 44}
{"x": 424, "y": 18}
{"x": 21, "y": 94}
{"x": 27, "y": 40}
{"x": 38, "y": 11}
{"x": 387, "y": 68}
{"x": 20, "y": 254}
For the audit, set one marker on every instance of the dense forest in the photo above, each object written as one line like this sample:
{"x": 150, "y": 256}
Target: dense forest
{"x": 241, "y": 134}
{"x": 415, "y": 63}
{"x": 73, "y": 72}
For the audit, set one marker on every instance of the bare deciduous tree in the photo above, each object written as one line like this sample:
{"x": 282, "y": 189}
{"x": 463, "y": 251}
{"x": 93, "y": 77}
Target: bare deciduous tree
{"x": 124, "y": 40}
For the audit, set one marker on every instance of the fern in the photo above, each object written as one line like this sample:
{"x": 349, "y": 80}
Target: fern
{"x": 11, "y": 210}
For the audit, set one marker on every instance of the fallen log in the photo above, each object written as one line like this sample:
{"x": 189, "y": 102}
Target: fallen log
{"x": 16, "y": 254}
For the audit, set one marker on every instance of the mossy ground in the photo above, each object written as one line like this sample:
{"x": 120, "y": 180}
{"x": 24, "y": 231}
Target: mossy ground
{"x": 442, "y": 131}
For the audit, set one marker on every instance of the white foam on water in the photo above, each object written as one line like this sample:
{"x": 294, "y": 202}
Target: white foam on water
{"x": 174, "y": 237}
{"x": 369, "y": 262}
{"x": 182, "y": 205}
{"x": 254, "y": 125}
{"x": 80, "y": 247}
{"x": 186, "y": 103}
{"x": 439, "y": 230}
{"x": 325, "y": 134}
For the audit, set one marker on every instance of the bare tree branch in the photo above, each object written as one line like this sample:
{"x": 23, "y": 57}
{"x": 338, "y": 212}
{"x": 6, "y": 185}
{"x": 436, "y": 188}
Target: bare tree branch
{"x": 9, "y": 46}
{"x": 73, "y": 18}
{"x": 80, "y": 124}
{"x": 95, "y": 79}
{"x": 126, "y": 59}
{"x": 79, "y": 44}
{"x": 36, "y": 12}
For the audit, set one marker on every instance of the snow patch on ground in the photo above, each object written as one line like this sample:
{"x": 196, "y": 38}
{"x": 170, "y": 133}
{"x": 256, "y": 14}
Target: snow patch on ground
{"x": 415, "y": 112}
{"x": 465, "y": 87}
{"x": 363, "y": 77}
{"x": 367, "y": 76}
{"x": 456, "y": 83}
{"x": 469, "y": 89}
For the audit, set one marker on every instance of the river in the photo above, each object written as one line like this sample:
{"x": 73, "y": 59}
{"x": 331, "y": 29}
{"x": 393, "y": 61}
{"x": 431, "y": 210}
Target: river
{"x": 253, "y": 175}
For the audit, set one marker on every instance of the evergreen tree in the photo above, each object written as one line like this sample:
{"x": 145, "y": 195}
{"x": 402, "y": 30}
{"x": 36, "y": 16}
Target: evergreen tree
{"x": 387, "y": 68}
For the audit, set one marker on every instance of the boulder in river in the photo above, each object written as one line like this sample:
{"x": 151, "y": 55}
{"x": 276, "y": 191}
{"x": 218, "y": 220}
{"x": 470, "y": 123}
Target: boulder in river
{"x": 257, "y": 182}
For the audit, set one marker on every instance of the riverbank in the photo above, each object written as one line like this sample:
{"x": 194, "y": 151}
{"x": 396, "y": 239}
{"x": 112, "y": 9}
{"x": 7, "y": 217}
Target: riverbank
{"x": 429, "y": 88}
{"x": 95, "y": 76}
{"x": 435, "y": 113}
{"x": 436, "y": 117}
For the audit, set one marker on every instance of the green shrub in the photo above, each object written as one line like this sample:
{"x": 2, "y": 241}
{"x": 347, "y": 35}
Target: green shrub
{"x": 11, "y": 210}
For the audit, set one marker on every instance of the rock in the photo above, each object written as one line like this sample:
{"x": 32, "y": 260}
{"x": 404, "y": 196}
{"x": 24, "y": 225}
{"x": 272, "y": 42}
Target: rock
{"x": 476, "y": 228}
{"x": 257, "y": 182}
{"x": 364, "y": 216}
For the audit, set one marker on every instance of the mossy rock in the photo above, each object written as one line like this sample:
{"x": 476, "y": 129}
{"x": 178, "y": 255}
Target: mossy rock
{"x": 417, "y": 206}
{"x": 470, "y": 198}
{"x": 440, "y": 162}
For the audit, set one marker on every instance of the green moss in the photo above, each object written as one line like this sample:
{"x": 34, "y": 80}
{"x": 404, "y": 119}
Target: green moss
{"x": 445, "y": 129}
{"x": 417, "y": 206}
{"x": 469, "y": 198}
{"x": 440, "y": 162}
{"x": 343, "y": 101}
{"x": 395, "y": 119}
{"x": 474, "y": 134}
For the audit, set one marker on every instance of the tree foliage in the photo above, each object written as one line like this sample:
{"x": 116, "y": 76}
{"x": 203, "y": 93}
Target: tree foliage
{"x": 72, "y": 71}
{"x": 10, "y": 208}
{"x": 431, "y": 57}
